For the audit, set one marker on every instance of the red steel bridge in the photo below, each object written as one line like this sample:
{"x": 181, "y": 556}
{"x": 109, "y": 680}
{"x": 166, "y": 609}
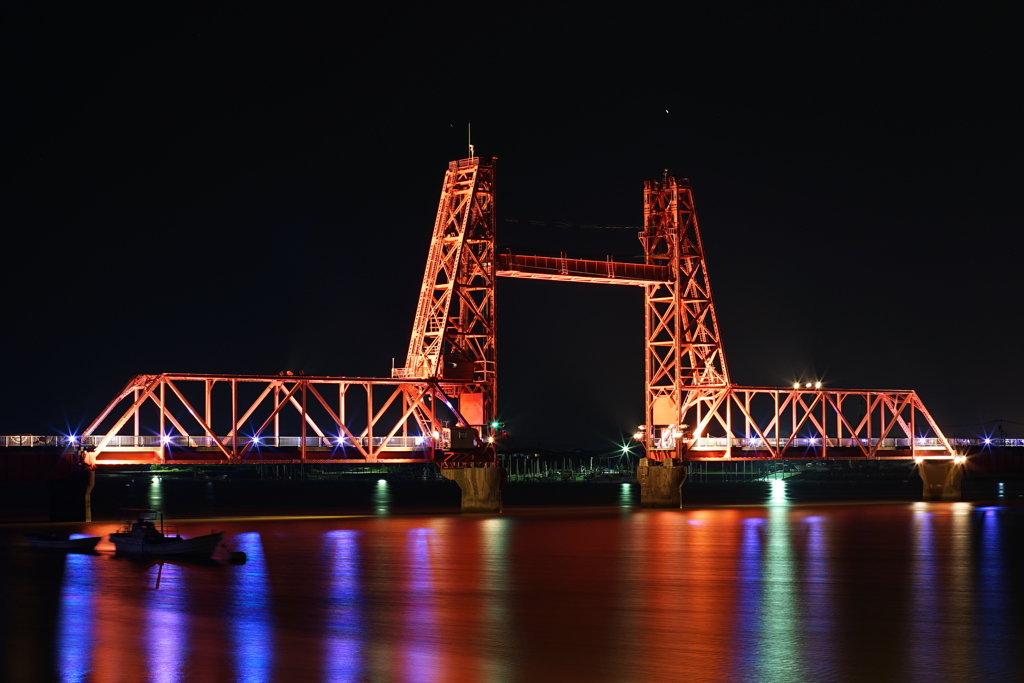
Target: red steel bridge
{"x": 441, "y": 405}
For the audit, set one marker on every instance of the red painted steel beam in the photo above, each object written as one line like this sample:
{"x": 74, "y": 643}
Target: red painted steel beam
{"x": 580, "y": 270}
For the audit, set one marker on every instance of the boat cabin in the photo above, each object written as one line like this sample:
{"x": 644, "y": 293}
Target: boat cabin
{"x": 148, "y": 524}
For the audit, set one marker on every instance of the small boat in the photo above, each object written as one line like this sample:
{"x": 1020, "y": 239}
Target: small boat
{"x": 142, "y": 536}
{"x": 63, "y": 542}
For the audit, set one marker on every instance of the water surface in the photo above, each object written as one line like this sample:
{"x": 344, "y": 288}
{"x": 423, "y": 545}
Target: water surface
{"x": 772, "y": 591}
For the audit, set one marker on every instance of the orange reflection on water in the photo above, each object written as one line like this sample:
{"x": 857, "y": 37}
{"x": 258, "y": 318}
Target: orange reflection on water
{"x": 684, "y": 596}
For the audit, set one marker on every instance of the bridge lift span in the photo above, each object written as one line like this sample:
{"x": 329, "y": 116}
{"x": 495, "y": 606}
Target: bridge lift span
{"x": 440, "y": 406}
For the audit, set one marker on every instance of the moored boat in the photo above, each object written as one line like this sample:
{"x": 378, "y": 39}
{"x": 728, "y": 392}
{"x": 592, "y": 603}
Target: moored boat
{"x": 59, "y": 542}
{"x": 143, "y": 536}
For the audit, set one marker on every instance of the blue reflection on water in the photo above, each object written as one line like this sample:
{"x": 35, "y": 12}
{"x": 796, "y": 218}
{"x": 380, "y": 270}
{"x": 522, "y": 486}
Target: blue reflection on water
{"x": 997, "y": 640}
{"x": 422, "y": 658}
{"x": 251, "y": 619}
{"x": 819, "y": 620}
{"x": 343, "y": 640}
{"x": 74, "y": 621}
{"x": 167, "y": 626}
{"x": 749, "y": 597}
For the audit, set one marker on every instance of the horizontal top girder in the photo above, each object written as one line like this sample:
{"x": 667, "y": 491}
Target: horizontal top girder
{"x": 580, "y": 270}
{"x": 317, "y": 379}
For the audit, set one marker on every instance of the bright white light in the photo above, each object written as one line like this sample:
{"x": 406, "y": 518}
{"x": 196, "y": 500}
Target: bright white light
{"x": 256, "y": 440}
{"x": 796, "y": 385}
{"x": 959, "y": 459}
{"x": 778, "y": 494}
{"x": 987, "y": 441}
{"x": 638, "y": 436}
{"x": 490, "y": 439}
{"x": 436, "y": 434}
{"x": 341, "y": 441}
{"x": 817, "y": 385}
{"x": 165, "y": 439}
{"x": 418, "y": 440}
{"x": 808, "y": 385}
{"x": 382, "y": 481}
{"x": 72, "y": 439}
{"x": 918, "y": 461}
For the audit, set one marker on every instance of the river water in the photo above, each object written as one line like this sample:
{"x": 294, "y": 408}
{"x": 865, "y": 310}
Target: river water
{"x": 773, "y": 585}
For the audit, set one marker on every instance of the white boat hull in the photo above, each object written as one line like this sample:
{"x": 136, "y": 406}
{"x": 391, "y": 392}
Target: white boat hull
{"x": 200, "y": 546}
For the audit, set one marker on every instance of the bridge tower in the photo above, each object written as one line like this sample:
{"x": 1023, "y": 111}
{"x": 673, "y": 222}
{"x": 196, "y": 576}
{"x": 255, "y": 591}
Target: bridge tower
{"x": 453, "y": 335}
{"x": 685, "y": 362}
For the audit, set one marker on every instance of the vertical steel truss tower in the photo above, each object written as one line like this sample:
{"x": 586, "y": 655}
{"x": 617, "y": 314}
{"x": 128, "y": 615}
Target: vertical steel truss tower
{"x": 692, "y": 409}
{"x": 684, "y": 357}
{"x": 453, "y": 335}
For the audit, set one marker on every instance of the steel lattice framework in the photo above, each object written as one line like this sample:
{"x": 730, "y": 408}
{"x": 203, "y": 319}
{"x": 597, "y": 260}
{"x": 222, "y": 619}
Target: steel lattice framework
{"x": 400, "y": 421}
{"x": 453, "y": 334}
{"x": 441, "y": 405}
{"x": 684, "y": 350}
{"x": 693, "y": 411}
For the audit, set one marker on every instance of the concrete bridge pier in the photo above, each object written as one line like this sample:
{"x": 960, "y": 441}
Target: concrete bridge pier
{"x": 661, "y": 485}
{"x": 71, "y": 498}
{"x": 941, "y": 479}
{"x": 481, "y": 486}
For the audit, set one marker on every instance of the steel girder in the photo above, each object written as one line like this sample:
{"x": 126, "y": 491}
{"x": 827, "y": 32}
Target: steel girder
{"x": 740, "y": 422}
{"x": 397, "y": 419}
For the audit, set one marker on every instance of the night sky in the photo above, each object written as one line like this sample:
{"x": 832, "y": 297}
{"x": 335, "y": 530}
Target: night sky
{"x": 250, "y": 190}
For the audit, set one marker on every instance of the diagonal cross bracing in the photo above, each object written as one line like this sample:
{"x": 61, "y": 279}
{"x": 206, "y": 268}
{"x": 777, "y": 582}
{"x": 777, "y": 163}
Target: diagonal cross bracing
{"x": 404, "y": 420}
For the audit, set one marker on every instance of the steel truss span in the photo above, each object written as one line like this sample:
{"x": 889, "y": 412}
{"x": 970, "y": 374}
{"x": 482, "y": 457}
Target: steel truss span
{"x": 219, "y": 419}
{"x": 755, "y": 423}
{"x": 441, "y": 405}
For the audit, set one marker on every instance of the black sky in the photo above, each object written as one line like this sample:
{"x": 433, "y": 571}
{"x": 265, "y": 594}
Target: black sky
{"x": 249, "y": 189}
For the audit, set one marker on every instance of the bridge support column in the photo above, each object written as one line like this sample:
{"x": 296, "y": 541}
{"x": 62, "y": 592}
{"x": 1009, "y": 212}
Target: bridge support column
{"x": 661, "y": 486}
{"x": 941, "y": 479}
{"x": 481, "y": 487}
{"x": 71, "y": 499}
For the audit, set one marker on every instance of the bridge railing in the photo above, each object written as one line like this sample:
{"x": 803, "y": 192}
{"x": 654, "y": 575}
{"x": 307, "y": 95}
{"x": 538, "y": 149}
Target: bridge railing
{"x": 131, "y": 441}
{"x": 721, "y": 443}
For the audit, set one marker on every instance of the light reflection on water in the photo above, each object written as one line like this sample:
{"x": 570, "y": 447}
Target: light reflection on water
{"x": 760, "y": 593}
{"x": 625, "y": 496}
{"x": 74, "y": 619}
{"x": 422, "y": 657}
{"x": 166, "y": 625}
{"x": 343, "y": 638}
{"x": 250, "y": 616}
{"x": 926, "y": 647}
{"x": 497, "y": 587}
{"x": 381, "y": 498}
{"x": 155, "y": 494}
{"x": 995, "y": 647}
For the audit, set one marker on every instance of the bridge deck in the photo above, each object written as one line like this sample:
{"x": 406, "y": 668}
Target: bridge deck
{"x": 197, "y": 450}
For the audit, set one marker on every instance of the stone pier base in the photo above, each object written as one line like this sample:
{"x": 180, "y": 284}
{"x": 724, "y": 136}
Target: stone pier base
{"x": 481, "y": 487}
{"x": 661, "y": 485}
{"x": 71, "y": 499}
{"x": 941, "y": 479}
